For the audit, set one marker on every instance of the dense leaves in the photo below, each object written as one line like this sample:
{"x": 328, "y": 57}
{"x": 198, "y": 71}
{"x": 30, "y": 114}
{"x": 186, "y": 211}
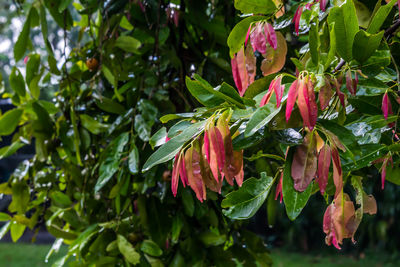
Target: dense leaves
{"x": 104, "y": 162}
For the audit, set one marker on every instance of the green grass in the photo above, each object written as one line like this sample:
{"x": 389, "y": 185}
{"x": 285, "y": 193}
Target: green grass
{"x": 27, "y": 255}
{"x": 284, "y": 258}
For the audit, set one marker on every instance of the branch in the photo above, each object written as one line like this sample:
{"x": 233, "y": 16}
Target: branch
{"x": 390, "y": 31}
{"x": 388, "y": 34}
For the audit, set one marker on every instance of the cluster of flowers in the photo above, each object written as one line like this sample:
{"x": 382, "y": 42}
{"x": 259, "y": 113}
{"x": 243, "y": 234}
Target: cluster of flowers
{"x": 209, "y": 159}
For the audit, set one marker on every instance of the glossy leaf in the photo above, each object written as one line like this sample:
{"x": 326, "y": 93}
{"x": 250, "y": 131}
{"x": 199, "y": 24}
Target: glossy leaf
{"x": 346, "y": 27}
{"x": 92, "y": 125}
{"x": 245, "y": 202}
{"x": 169, "y": 149}
{"x": 261, "y": 117}
{"x": 110, "y": 162}
{"x": 9, "y": 121}
{"x": 133, "y": 160}
{"x": 17, "y": 82}
{"x": 128, "y": 43}
{"x": 151, "y": 248}
{"x": 23, "y": 38}
{"x": 365, "y": 45}
{"x": 379, "y": 17}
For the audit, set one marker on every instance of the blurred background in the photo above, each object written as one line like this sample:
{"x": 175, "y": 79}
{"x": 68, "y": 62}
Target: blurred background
{"x": 292, "y": 243}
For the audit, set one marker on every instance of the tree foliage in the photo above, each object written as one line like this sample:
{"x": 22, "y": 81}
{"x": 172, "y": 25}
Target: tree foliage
{"x": 137, "y": 112}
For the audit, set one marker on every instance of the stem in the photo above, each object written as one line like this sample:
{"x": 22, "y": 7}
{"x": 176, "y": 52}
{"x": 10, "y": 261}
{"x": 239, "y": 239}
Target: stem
{"x": 390, "y": 31}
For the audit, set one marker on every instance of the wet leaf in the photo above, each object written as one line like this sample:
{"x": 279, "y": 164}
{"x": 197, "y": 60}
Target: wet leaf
{"x": 245, "y": 202}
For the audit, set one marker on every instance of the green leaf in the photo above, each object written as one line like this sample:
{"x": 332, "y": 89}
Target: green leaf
{"x": 63, "y": 19}
{"x": 9, "y": 121}
{"x": 61, "y": 199}
{"x": 379, "y": 17}
{"x": 210, "y": 238}
{"x": 92, "y": 125}
{"x": 110, "y": 106}
{"x": 229, "y": 92}
{"x": 124, "y": 23}
{"x": 261, "y": 117}
{"x": 346, "y": 27}
{"x": 128, "y": 44}
{"x": 294, "y": 200}
{"x": 142, "y": 127}
{"x": 151, "y": 248}
{"x": 314, "y": 43}
{"x": 172, "y": 147}
{"x": 365, "y": 45}
{"x": 23, "y": 38}
{"x": 7, "y": 151}
{"x": 368, "y": 130}
{"x": 43, "y": 126}
{"x": 127, "y": 250}
{"x": 393, "y": 174}
{"x": 332, "y": 46}
{"x": 210, "y": 97}
{"x": 177, "y": 225}
{"x": 108, "y": 74}
{"x": 188, "y": 202}
{"x": 158, "y": 138}
{"x": 17, "y": 82}
{"x": 63, "y": 5}
{"x": 134, "y": 159}
{"x": 20, "y": 198}
{"x": 237, "y": 36}
{"x": 17, "y": 230}
{"x": 245, "y": 202}
{"x": 4, "y": 217}
{"x": 110, "y": 160}
{"x": 32, "y": 67}
{"x": 369, "y": 153}
{"x": 255, "y": 6}
{"x": 371, "y": 87}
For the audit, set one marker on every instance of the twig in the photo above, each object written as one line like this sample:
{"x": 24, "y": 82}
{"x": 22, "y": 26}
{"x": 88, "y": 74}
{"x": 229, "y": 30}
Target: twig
{"x": 390, "y": 31}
